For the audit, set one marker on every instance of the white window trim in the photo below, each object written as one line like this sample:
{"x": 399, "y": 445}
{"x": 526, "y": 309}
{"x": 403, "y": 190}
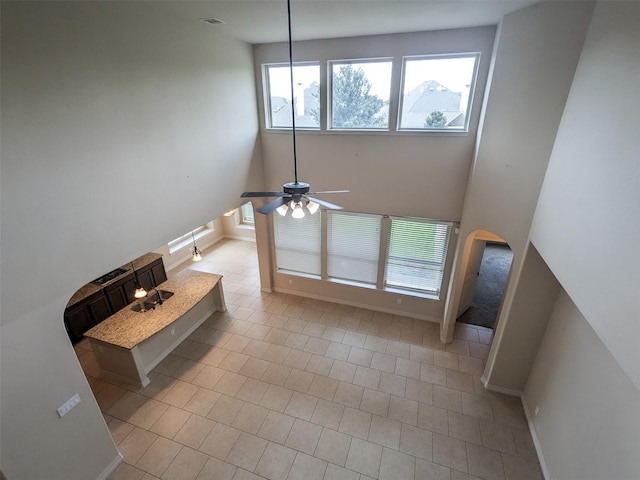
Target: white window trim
{"x": 380, "y": 285}
{"x": 266, "y": 92}
{"x": 329, "y": 99}
{"x": 186, "y": 239}
{"x": 472, "y": 89}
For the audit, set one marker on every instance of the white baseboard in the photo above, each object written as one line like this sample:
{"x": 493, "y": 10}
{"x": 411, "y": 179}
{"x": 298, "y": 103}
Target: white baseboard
{"x": 498, "y": 389}
{"x": 239, "y": 237}
{"x": 534, "y": 436}
{"x": 111, "y": 467}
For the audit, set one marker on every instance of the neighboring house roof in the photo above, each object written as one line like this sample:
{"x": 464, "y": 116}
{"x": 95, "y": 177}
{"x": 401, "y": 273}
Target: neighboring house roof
{"x": 281, "y": 110}
{"x": 429, "y": 97}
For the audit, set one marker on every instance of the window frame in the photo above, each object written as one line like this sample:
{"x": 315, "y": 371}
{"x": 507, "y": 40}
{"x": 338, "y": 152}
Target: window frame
{"x": 384, "y": 239}
{"x": 441, "y": 265}
{"x": 282, "y": 266}
{"x": 244, "y": 218}
{"x": 472, "y": 88}
{"x": 267, "y": 95}
{"x": 329, "y": 230}
{"x": 329, "y": 101}
{"x": 187, "y": 239}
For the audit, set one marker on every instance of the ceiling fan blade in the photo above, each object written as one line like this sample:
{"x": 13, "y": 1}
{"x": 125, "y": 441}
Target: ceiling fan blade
{"x": 262, "y": 194}
{"x": 329, "y": 191}
{"x": 271, "y": 206}
{"x": 324, "y": 204}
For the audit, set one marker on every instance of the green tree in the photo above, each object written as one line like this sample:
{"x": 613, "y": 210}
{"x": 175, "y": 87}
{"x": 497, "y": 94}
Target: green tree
{"x": 353, "y": 104}
{"x": 436, "y": 120}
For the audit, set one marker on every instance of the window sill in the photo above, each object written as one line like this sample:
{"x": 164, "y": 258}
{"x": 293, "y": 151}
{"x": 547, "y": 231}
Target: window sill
{"x": 367, "y": 286}
{"x": 401, "y": 133}
{"x": 176, "y": 248}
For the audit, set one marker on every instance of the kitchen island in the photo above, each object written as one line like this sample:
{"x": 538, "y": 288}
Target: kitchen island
{"x": 129, "y": 344}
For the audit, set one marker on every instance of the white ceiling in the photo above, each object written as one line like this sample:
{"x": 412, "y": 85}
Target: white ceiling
{"x": 265, "y": 21}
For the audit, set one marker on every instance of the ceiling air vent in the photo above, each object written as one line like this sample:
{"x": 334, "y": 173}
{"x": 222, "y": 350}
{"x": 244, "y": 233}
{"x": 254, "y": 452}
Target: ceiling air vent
{"x": 212, "y": 21}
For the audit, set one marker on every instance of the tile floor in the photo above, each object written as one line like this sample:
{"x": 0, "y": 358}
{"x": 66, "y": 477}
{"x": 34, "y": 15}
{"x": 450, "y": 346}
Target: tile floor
{"x": 284, "y": 387}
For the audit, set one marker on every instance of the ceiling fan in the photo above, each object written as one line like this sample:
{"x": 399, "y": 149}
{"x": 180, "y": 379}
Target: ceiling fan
{"x": 294, "y": 196}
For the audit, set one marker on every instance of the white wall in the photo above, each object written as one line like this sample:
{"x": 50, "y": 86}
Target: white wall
{"x": 394, "y": 173}
{"x": 587, "y": 224}
{"x": 121, "y": 129}
{"x": 588, "y": 425}
{"x": 534, "y": 61}
{"x": 422, "y": 175}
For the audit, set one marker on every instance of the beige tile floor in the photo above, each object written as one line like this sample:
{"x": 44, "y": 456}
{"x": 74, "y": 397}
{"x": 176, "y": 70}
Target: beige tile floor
{"x": 284, "y": 387}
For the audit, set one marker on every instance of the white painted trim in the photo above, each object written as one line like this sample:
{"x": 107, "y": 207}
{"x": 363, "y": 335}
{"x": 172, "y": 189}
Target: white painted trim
{"x": 238, "y": 237}
{"x": 534, "y": 436}
{"x": 366, "y": 306}
{"x": 111, "y": 467}
{"x": 497, "y": 389}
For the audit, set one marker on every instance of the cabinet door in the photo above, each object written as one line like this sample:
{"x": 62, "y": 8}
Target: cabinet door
{"x": 117, "y": 298}
{"x": 120, "y": 293}
{"x": 159, "y": 274}
{"x": 146, "y": 279}
{"x": 99, "y": 308}
{"x": 77, "y": 320}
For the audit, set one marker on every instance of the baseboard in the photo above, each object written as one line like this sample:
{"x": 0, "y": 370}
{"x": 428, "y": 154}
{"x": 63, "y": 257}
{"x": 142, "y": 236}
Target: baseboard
{"x": 495, "y": 388}
{"x": 111, "y": 468}
{"x": 534, "y": 436}
{"x": 238, "y": 237}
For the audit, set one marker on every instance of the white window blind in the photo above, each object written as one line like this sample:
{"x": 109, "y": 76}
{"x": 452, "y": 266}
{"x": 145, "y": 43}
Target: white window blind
{"x": 297, "y": 243}
{"x": 353, "y": 246}
{"x": 417, "y": 252}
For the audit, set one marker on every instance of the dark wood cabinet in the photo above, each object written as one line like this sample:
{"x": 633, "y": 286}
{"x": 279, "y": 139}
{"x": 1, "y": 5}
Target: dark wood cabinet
{"x": 152, "y": 275}
{"x": 115, "y": 296}
{"x": 159, "y": 273}
{"x": 120, "y": 293}
{"x": 99, "y": 308}
{"x": 77, "y": 320}
{"x": 83, "y": 315}
{"x": 145, "y": 277}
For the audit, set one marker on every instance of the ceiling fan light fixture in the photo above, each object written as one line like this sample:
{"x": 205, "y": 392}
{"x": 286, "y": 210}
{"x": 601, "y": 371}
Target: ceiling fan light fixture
{"x": 282, "y": 209}
{"x": 294, "y": 194}
{"x": 312, "y": 207}
{"x": 298, "y": 211}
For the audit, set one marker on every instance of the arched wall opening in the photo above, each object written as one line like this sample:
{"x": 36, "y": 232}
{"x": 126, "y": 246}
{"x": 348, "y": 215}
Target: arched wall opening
{"x": 461, "y": 291}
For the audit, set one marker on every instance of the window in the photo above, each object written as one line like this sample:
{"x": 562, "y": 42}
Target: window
{"x": 306, "y": 92}
{"x": 360, "y": 94}
{"x": 416, "y": 255}
{"x": 403, "y": 255}
{"x": 297, "y": 243}
{"x": 187, "y": 238}
{"x": 437, "y": 91}
{"x": 353, "y": 247}
{"x": 247, "y": 213}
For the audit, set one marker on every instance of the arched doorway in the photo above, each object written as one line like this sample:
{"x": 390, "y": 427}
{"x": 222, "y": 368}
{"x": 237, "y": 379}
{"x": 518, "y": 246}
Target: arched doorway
{"x": 486, "y": 276}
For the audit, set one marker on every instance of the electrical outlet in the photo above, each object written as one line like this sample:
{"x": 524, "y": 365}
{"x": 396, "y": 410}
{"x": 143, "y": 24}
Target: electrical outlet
{"x": 290, "y": 282}
{"x": 173, "y": 331}
{"x": 399, "y": 301}
{"x": 536, "y": 410}
{"x": 68, "y": 405}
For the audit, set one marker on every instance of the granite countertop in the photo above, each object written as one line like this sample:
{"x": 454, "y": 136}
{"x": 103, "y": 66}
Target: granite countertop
{"x": 127, "y": 328}
{"x": 91, "y": 288}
